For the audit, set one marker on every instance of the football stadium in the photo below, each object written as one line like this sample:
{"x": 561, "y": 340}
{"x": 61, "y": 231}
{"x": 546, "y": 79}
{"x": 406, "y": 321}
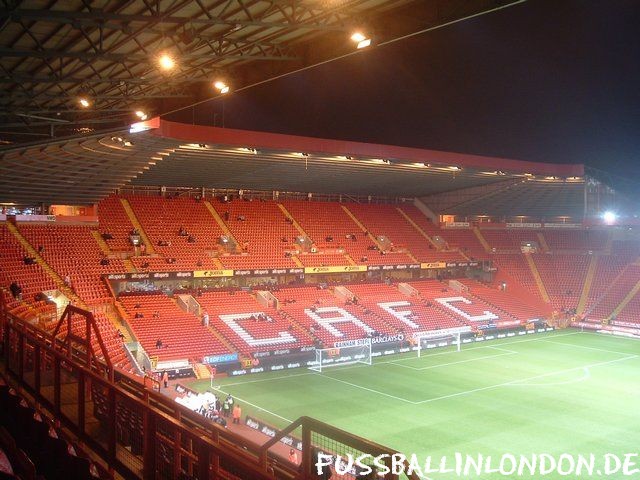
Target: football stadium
{"x": 184, "y": 296}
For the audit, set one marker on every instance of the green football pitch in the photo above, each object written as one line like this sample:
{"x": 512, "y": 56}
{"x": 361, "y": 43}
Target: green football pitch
{"x": 559, "y": 392}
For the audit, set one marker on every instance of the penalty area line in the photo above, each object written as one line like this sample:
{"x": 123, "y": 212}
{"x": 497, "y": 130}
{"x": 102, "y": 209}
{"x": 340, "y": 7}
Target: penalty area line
{"x": 517, "y": 381}
{"x": 439, "y": 365}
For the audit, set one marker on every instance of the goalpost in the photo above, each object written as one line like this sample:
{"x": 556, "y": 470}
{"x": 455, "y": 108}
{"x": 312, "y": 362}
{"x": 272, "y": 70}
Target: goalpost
{"x": 439, "y": 338}
{"x": 343, "y": 353}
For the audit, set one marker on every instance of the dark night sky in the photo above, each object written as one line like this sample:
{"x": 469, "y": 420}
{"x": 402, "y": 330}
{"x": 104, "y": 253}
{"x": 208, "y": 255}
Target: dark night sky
{"x": 548, "y": 80}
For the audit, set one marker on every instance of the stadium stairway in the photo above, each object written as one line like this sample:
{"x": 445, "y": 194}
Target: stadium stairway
{"x": 104, "y": 248}
{"x": 588, "y": 282}
{"x": 362, "y": 227}
{"x": 537, "y": 278}
{"x": 136, "y": 224}
{"x": 418, "y": 228}
{"x": 201, "y": 371}
{"x": 543, "y": 243}
{"x": 297, "y": 261}
{"x": 217, "y": 262}
{"x": 481, "y": 239}
{"x": 113, "y": 315}
{"x": 628, "y": 297}
{"x": 220, "y": 336}
{"x": 608, "y": 246}
{"x": 349, "y": 259}
{"x": 294, "y": 222}
{"x": 219, "y": 221}
{"x": 60, "y": 285}
{"x": 128, "y": 264}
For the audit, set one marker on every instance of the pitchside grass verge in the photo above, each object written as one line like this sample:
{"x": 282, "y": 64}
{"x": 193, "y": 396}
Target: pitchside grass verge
{"x": 560, "y": 392}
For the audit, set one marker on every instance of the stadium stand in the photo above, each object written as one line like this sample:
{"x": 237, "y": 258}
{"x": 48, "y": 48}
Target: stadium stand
{"x": 260, "y": 228}
{"x": 434, "y": 291}
{"x": 167, "y": 332}
{"x": 305, "y": 303}
{"x": 114, "y": 224}
{"x": 73, "y": 253}
{"x": 615, "y": 293}
{"x": 509, "y": 241}
{"x": 30, "y": 278}
{"x": 425, "y": 315}
{"x": 330, "y": 227}
{"x": 563, "y": 277}
{"x": 261, "y": 329}
{"x": 466, "y": 241}
{"x": 170, "y": 224}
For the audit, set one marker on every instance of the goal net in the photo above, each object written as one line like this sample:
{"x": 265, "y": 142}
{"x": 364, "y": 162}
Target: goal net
{"x": 343, "y": 353}
{"x": 439, "y": 338}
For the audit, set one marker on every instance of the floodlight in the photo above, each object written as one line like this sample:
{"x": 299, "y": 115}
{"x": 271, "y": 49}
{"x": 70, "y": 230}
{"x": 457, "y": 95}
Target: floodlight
{"x": 84, "y": 102}
{"x": 166, "y": 62}
{"x": 221, "y": 86}
{"x": 364, "y": 43}
{"x": 609, "y": 217}
{"x": 358, "y": 37}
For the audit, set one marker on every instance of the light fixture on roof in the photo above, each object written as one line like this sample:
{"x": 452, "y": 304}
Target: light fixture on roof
{"x": 248, "y": 150}
{"x": 221, "y": 87}
{"x": 141, "y": 115}
{"x": 84, "y": 102}
{"x": 609, "y": 217}
{"x": 454, "y": 168}
{"x": 166, "y": 62}
{"x": 361, "y": 40}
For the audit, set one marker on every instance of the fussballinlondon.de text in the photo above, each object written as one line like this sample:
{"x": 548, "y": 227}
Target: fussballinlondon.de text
{"x": 470, "y": 466}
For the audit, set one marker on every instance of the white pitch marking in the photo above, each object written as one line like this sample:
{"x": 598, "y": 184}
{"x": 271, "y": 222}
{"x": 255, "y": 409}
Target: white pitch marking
{"x": 254, "y": 405}
{"x": 505, "y": 384}
{"x": 430, "y": 367}
{"x": 587, "y": 348}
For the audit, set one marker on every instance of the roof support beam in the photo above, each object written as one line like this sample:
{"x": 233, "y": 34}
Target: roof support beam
{"x": 99, "y": 18}
{"x": 126, "y": 57}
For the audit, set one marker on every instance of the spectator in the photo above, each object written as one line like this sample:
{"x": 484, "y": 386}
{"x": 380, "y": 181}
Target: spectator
{"x": 182, "y": 232}
{"x": 67, "y": 281}
{"x": 237, "y": 413}
{"x": 205, "y": 319}
{"x": 16, "y": 290}
{"x": 293, "y": 456}
{"x": 165, "y": 379}
{"x": 104, "y": 261}
{"x": 191, "y": 239}
{"x": 40, "y": 249}
{"x": 226, "y": 215}
{"x": 159, "y": 343}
